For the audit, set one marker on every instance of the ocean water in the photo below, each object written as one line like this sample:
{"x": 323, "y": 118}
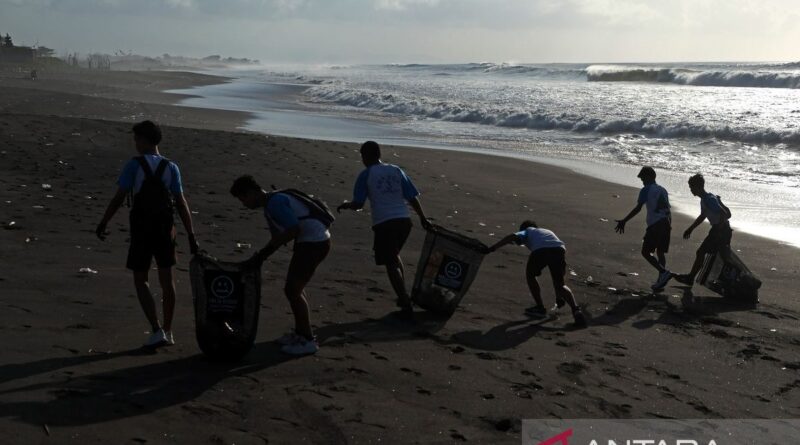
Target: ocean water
{"x": 738, "y": 124}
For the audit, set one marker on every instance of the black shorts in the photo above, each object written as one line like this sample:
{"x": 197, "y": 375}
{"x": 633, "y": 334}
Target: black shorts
{"x": 145, "y": 246}
{"x": 305, "y": 259}
{"x": 553, "y": 258}
{"x": 718, "y": 237}
{"x": 390, "y": 237}
{"x": 657, "y": 236}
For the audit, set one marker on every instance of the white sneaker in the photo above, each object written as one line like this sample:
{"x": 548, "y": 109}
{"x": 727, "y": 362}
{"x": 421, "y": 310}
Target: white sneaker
{"x": 302, "y": 346}
{"x": 663, "y": 279}
{"x": 169, "y": 338}
{"x": 156, "y": 339}
{"x": 288, "y": 339}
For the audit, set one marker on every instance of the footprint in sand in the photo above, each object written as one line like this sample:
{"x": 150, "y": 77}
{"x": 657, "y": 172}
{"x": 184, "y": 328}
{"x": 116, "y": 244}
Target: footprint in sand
{"x": 411, "y": 371}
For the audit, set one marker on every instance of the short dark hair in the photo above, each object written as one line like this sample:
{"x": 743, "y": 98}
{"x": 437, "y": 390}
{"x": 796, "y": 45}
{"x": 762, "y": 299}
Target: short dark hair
{"x": 697, "y": 180}
{"x": 244, "y": 184}
{"x": 527, "y": 223}
{"x": 148, "y": 131}
{"x": 371, "y": 150}
{"x": 647, "y": 172}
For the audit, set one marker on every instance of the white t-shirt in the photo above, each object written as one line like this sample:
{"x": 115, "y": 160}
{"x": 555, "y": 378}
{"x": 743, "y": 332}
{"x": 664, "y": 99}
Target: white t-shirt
{"x": 388, "y": 188}
{"x": 535, "y": 239}
{"x": 284, "y": 212}
{"x": 656, "y": 199}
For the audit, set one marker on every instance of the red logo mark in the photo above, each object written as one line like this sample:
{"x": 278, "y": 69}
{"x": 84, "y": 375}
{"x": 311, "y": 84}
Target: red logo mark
{"x": 558, "y": 438}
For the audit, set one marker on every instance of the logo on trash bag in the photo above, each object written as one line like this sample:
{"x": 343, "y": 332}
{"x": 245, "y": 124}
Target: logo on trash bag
{"x": 222, "y": 286}
{"x": 452, "y": 273}
{"x": 452, "y": 270}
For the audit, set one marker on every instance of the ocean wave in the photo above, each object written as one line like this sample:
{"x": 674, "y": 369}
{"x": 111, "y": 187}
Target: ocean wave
{"x": 422, "y": 107}
{"x": 688, "y": 76}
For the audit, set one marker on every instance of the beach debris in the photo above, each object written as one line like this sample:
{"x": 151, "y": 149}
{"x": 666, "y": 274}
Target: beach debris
{"x": 47, "y": 187}
{"x": 243, "y": 245}
{"x": 573, "y": 273}
{"x": 604, "y": 219}
{"x": 31, "y": 239}
{"x": 611, "y": 289}
{"x": 773, "y": 269}
{"x": 482, "y": 224}
{"x": 773, "y": 330}
{"x": 590, "y": 281}
{"x": 633, "y": 274}
{"x": 615, "y": 196}
{"x": 87, "y": 270}
{"x": 37, "y": 207}
{"x": 11, "y": 225}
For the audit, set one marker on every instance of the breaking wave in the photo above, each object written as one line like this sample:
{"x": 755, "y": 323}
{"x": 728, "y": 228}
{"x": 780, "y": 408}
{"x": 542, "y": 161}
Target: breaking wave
{"x": 754, "y": 78}
{"x": 423, "y": 107}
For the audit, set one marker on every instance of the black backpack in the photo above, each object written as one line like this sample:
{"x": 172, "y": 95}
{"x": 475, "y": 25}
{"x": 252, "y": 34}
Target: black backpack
{"x": 317, "y": 209}
{"x": 724, "y": 208}
{"x": 152, "y": 205}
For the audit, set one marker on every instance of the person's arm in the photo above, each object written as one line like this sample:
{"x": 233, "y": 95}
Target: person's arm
{"x": 186, "y": 218}
{"x": 275, "y": 243}
{"x": 621, "y": 222}
{"x": 359, "y": 195}
{"x": 511, "y": 238}
{"x": 113, "y": 206}
{"x": 697, "y": 222}
{"x": 417, "y": 206}
{"x": 280, "y": 212}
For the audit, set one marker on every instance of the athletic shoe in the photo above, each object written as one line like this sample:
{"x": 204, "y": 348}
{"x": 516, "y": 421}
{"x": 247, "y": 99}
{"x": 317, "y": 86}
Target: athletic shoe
{"x": 684, "y": 279}
{"x": 580, "y": 319}
{"x": 302, "y": 346}
{"x": 288, "y": 339}
{"x": 536, "y": 311}
{"x": 157, "y": 338}
{"x": 663, "y": 279}
{"x": 169, "y": 338}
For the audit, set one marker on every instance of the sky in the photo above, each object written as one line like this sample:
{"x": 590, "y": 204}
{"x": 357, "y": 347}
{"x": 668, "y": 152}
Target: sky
{"x": 416, "y": 31}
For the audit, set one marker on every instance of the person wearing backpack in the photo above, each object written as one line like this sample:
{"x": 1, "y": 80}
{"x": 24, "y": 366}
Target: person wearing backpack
{"x": 155, "y": 184}
{"x": 711, "y": 208}
{"x": 389, "y": 191}
{"x": 292, "y": 216}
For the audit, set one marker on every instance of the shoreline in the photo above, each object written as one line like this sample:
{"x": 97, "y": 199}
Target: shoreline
{"x": 72, "y": 361}
{"x": 291, "y": 120}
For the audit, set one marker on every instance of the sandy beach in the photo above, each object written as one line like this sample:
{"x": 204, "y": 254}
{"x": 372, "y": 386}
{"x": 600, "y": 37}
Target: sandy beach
{"x": 72, "y": 370}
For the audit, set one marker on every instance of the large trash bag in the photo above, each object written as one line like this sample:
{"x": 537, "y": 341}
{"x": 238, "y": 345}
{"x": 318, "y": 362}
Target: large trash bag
{"x": 227, "y": 301}
{"x": 447, "y": 266}
{"x": 726, "y": 274}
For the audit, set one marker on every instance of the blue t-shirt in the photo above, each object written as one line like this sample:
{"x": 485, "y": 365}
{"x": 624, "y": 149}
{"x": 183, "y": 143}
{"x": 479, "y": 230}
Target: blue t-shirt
{"x": 132, "y": 175}
{"x": 388, "y": 188}
{"x": 710, "y": 207}
{"x": 284, "y": 212}
{"x": 534, "y": 239}
{"x": 656, "y": 199}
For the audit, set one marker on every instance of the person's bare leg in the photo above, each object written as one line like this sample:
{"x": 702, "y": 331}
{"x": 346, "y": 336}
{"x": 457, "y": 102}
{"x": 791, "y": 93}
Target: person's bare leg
{"x": 146, "y": 298}
{"x": 297, "y": 300}
{"x": 653, "y": 261}
{"x": 167, "y": 296}
{"x": 396, "y": 274}
{"x": 698, "y": 264}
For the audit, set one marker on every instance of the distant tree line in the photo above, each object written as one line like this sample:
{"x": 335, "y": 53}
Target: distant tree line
{"x": 6, "y": 41}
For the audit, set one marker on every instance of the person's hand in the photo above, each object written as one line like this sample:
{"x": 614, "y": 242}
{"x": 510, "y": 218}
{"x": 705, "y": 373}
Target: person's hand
{"x": 101, "y": 231}
{"x": 426, "y": 224}
{"x": 620, "y": 226}
{"x": 687, "y": 234}
{"x": 193, "y": 246}
{"x": 343, "y": 206}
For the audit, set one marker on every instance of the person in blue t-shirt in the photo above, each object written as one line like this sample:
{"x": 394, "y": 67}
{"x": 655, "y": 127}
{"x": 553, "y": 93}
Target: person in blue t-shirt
{"x": 389, "y": 191}
{"x": 718, "y": 216}
{"x": 659, "y": 225}
{"x": 152, "y": 229}
{"x": 290, "y": 219}
{"x": 547, "y": 250}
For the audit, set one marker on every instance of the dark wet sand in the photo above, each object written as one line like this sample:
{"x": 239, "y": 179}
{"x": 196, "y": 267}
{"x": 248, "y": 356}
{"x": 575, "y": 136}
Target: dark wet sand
{"x": 70, "y": 358}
